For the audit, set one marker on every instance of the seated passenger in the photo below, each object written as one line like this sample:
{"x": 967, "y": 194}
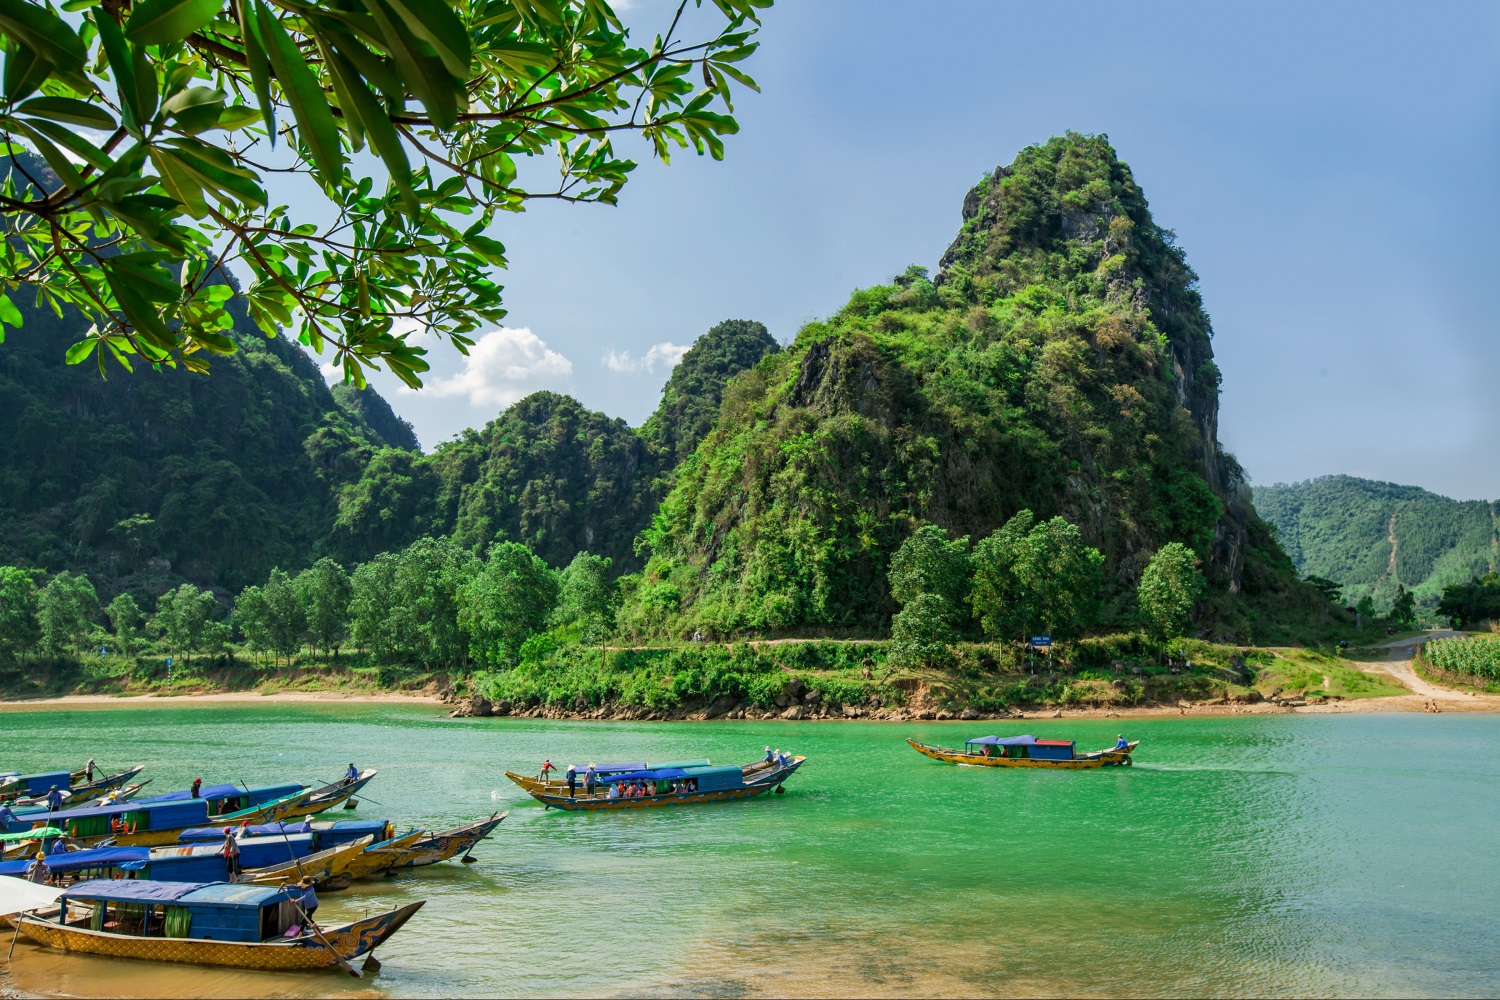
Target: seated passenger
{"x": 1120, "y": 743}
{"x": 614, "y": 790}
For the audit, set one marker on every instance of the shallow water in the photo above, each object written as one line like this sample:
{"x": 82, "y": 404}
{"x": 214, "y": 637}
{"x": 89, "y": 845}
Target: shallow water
{"x": 1251, "y": 856}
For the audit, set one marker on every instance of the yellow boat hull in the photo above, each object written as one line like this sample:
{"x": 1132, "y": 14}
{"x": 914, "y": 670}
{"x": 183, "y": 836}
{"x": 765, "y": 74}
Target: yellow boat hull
{"x": 1102, "y": 758}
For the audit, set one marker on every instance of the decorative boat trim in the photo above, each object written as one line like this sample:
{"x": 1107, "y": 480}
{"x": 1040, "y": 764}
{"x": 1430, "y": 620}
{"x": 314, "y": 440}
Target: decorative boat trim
{"x": 437, "y": 847}
{"x": 1099, "y": 758}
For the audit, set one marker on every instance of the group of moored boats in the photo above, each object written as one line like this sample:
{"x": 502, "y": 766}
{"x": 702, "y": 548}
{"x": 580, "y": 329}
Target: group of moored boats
{"x": 227, "y": 874}
{"x": 211, "y": 875}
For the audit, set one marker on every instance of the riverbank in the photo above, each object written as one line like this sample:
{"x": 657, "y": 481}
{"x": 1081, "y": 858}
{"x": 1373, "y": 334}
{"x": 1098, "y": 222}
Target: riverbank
{"x": 219, "y": 698}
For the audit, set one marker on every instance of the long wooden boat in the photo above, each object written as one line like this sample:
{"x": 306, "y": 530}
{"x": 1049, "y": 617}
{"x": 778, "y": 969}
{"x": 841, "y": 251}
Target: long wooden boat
{"x": 77, "y": 783}
{"x": 325, "y": 798}
{"x": 1025, "y": 751}
{"x": 435, "y": 847}
{"x": 236, "y": 926}
{"x": 30, "y": 807}
{"x": 152, "y": 823}
{"x": 266, "y": 862}
{"x": 667, "y": 784}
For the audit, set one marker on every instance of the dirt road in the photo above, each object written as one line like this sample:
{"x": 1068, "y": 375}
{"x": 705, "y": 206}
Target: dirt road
{"x": 1425, "y": 696}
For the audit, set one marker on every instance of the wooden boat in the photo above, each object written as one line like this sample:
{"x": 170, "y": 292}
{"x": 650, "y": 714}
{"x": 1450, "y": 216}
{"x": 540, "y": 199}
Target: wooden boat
{"x": 266, "y": 862}
{"x": 435, "y": 847}
{"x": 153, "y": 823}
{"x": 71, "y": 800}
{"x": 1025, "y": 751}
{"x": 380, "y": 857}
{"x": 686, "y": 783}
{"x": 237, "y": 926}
{"x": 325, "y": 798}
{"x": 76, "y": 783}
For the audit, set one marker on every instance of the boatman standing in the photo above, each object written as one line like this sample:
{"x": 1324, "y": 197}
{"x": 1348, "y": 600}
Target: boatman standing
{"x": 197, "y": 786}
{"x": 89, "y": 771}
{"x": 54, "y": 800}
{"x": 547, "y": 768}
{"x": 38, "y": 871}
{"x": 231, "y": 853}
{"x": 590, "y": 779}
{"x": 572, "y": 780}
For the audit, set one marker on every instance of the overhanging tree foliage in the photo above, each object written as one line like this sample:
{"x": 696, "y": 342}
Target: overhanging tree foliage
{"x": 160, "y": 120}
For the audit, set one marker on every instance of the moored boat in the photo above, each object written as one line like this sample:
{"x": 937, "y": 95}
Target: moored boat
{"x": 1025, "y": 751}
{"x": 432, "y": 848}
{"x": 237, "y": 926}
{"x": 638, "y": 786}
{"x": 325, "y": 798}
{"x": 149, "y": 824}
{"x": 77, "y": 785}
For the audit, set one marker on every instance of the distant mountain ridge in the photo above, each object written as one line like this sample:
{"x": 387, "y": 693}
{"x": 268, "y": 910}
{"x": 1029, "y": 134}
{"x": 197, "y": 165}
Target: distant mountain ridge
{"x": 1372, "y": 537}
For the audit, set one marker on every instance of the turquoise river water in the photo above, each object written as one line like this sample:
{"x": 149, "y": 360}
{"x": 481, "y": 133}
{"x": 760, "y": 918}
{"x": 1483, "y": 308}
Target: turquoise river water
{"x": 1351, "y": 855}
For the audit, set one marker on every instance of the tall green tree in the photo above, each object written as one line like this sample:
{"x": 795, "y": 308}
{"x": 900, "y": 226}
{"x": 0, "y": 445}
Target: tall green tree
{"x": 922, "y": 631}
{"x": 286, "y": 618}
{"x": 928, "y": 563}
{"x": 1168, "y": 589}
{"x": 1036, "y": 576}
{"x": 182, "y": 619}
{"x": 19, "y": 631}
{"x": 65, "y": 609}
{"x": 404, "y": 606}
{"x": 1403, "y": 608}
{"x": 587, "y": 598}
{"x": 253, "y": 618}
{"x": 506, "y": 603}
{"x": 125, "y": 618}
{"x": 324, "y": 590}
{"x": 193, "y": 97}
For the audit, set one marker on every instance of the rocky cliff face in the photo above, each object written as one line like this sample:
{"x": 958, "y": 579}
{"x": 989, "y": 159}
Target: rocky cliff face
{"x": 1061, "y": 360}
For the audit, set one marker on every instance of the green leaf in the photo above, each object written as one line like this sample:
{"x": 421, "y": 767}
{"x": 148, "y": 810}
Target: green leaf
{"x": 140, "y": 311}
{"x": 25, "y": 71}
{"x": 377, "y": 124}
{"x": 302, "y": 91}
{"x": 195, "y": 109}
{"x": 157, "y": 22}
{"x": 66, "y": 109}
{"x": 44, "y": 32}
{"x": 424, "y": 75}
{"x": 84, "y": 149}
{"x": 79, "y": 352}
{"x": 122, "y": 65}
{"x": 180, "y": 182}
{"x": 258, "y": 66}
{"x": 60, "y": 164}
{"x": 8, "y": 313}
{"x": 434, "y": 22}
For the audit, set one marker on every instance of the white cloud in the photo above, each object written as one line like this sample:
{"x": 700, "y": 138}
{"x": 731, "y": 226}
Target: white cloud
{"x": 503, "y": 366}
{"x": 663, "y": 355}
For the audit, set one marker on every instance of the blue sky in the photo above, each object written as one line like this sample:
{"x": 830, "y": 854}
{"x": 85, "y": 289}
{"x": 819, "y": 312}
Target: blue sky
{"x": 1330, "y": 170}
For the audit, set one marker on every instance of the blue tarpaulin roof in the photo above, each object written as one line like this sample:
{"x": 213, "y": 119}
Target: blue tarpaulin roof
{"x": 206, "y": 792}
{"x": 611, "y": 768}
{"x": 227, "y": 894}
{"x": 74, "y": 860}
{"x": 1005, "y": 741}
{"x": 132, "y": 890}
{"x": 659, "y": 774}
{"x": 277, "y": 829}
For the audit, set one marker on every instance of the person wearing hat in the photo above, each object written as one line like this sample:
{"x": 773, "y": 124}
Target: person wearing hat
{"x": 89, "y": 771}
{"x": 308, "y": 899}
{"x": 38, "y": 871}
{"x": 54, "y": 800}
{"x": 1120, "y": 742}
{"x": 197, "y": 787}
{"x": 572, "y": 780}
{"x": 769, "y": 756}
{"x": 590, "y": 777}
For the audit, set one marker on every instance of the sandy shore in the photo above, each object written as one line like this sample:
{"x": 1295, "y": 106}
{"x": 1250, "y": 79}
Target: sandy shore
{"x": 223, "y": 698}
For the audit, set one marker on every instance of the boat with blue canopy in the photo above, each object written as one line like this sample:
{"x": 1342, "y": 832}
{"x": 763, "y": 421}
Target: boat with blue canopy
{"x": 642, "y": 785}
{"x": 1027, "y": 751}
{"x": 146, "y": 824}
{"x": 220, "y": 924}
{"x": 80, "y": 784}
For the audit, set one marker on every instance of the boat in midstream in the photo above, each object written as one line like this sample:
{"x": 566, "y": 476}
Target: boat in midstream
{"x": 221, "y": 924}
{"x": 1027, "y": 751}
{"x": 643, "y": 785}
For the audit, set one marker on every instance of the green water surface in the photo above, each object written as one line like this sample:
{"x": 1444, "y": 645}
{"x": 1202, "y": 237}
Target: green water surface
{"x": 1254, "y": 856}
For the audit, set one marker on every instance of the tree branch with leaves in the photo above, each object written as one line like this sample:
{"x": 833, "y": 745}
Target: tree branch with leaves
{"x": 159, "y": 122}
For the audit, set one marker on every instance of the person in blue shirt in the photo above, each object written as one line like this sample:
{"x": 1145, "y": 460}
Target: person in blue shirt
{"x": 308, "y": 900}
{"x": 769, "y": 756}
{"x": 589, "y": 778}
{"x": 572, "y": 780}
{"x": 54, "y": 800}
{"x": 1120, "y": 743}
{"x": 352, "y": 775}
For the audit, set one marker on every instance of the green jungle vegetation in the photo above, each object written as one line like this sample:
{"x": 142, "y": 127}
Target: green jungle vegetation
{"x": 1318, "y": 673}
{"x": 1023, "y": 443}
{"x": 1375, "y": 539}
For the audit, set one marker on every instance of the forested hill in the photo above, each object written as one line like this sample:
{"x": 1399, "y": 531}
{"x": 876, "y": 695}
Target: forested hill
{"x": 1060, "y": 361}
{"x": 1372, "y": 537}
{"x": 146, "y": 479}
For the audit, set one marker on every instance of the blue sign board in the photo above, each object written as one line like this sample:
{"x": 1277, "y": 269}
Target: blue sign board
{"x": 1041, "y": 640}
